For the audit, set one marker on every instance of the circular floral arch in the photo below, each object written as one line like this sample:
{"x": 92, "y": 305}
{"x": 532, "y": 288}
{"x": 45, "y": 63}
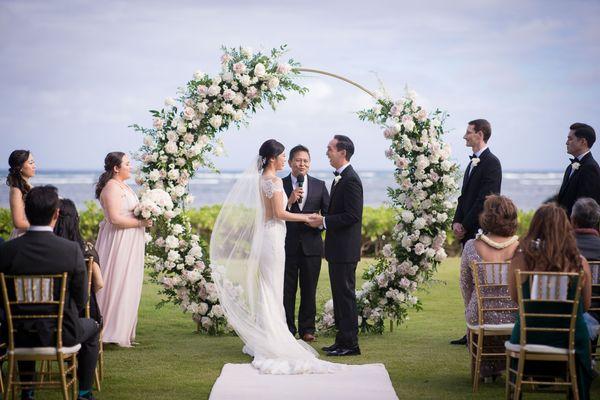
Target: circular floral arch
{"x": 185, "y": 135}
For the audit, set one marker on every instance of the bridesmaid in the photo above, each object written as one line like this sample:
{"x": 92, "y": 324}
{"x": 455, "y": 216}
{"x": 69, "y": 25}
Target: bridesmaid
{"x": 22, "y": 168}
{"x": 120, "y": 246}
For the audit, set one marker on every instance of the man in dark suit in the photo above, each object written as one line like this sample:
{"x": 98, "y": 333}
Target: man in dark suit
{"x": 585, "y": 218}
{"x": 343, "y": 243}
{"x": 303, "y": 244}
{"x": 582, "y": 177}
{"x": 39, "y": 251}
{"x": 483, "y": 177}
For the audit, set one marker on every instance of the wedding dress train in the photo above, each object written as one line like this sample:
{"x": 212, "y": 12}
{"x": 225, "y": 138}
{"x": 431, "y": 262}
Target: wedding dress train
{"x": 248, "y": 260}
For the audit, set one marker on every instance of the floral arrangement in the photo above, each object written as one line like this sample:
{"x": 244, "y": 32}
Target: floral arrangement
{"x": 426, "y": 180}
{"x": 183, "y": 138}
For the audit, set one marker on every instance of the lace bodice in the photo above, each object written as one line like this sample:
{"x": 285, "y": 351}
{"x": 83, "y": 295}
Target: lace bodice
{"x": 272, "y": 192}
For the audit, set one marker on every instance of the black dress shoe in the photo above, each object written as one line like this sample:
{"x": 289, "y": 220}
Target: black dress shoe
{"x": 462, "y": 341}
{"x": 343, "y": 351}
{"x": 330, "y": 348}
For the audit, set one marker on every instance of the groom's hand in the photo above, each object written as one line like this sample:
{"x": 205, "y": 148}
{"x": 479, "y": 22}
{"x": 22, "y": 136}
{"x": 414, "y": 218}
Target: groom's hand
{"x": 315, "y": 220}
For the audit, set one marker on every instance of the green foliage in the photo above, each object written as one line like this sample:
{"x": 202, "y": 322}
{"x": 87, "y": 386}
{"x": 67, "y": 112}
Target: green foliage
{"x": 378, "y": 223}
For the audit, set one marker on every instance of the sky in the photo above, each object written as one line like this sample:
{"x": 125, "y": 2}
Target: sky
{"x": 75, "y": 74}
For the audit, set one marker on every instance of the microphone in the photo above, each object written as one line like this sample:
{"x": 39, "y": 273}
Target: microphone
{"x": 300, "y": 180}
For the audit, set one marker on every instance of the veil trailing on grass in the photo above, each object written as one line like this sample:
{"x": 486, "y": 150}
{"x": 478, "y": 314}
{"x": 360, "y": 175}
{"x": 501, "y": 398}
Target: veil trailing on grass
{"x": 235, "y": 246}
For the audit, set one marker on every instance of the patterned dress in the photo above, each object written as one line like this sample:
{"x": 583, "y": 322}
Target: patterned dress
{"x": 467, "y": 286}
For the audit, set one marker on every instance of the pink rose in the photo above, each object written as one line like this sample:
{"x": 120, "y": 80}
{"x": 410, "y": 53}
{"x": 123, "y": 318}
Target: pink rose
{"x": 228, "y": 95}
{"x": 239, "y": 68}
{"x": 252, "y": 92}
{"x": 283, "y": 69}
{"x": 202, "y": 90}
{"x": 388, "y": 133}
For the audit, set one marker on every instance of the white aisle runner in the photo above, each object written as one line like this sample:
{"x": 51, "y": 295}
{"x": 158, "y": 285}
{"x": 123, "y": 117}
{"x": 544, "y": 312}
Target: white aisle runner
{"x": 242, "y": 381}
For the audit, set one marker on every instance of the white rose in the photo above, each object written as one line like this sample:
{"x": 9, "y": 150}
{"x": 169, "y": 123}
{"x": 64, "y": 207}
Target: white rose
{"x": 252, "y": 92}
{"x": 202, "y": 108}
{"x": 419, "y": 249}
{"x": 173, "y": 256}
{"x": 216, "y": 121}
{"x": 190, "y": 260}
{"x": 189, "y": 139}
{"x": 171, "y": 148}
{"x": 148, "y": 140}
{"x": 273, "y": 83}
{"x": 283, "y": 68}
{"x": 259, "y": 70}
{"x": 189, "y": 113}
{"x": 238, "y": 115}
{"x": 198, "y": 75}
{"x": 227, "y": 76}
{"x": 246, "y": 52}
{"x": 420, "y": 223}
{"x": 203, "y": 308}
{"x": 172, "y": 242}
{"x": 407, "y": 216}
{"x": 238, "y": 99}
{"x": 206, "y": 322}
{"x": 239, "y": 67}
{"x": 227, "y": 109}
{"x": 217, "y": 311}
{"x": 172, "y": 136}
{"x": 214, "y": 90}
{"x": 158, "y": 123}
{"x": 170, "y": 102}
{"x": 173, "y": 174}
{"x": 228, "y": 94}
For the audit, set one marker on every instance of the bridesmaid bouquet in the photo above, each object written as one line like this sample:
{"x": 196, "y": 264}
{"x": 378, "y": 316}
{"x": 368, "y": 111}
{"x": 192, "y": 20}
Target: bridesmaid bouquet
{"x": 153, "y": 203}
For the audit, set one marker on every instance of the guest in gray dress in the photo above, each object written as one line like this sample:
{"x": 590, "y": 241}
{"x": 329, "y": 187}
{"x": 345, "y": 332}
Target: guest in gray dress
{"x": 496, "y": 242}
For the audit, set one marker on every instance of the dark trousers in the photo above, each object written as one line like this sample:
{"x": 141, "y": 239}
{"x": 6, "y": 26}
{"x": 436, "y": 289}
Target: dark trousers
{"x": 343, "y": 282}
{"x": 86, "y": 359}
{"x": 306, "y": 270}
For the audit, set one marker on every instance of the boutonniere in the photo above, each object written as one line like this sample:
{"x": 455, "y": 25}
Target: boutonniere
{"x": 475, "y": 161}
{"x": 337, "y": 179}
{"x": 575, "y": 166}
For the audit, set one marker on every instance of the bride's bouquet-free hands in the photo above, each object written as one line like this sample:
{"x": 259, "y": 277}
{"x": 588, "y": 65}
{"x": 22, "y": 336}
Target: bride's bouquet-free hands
{"x": 154, "y": 203}
{"x": 315, "y": 220}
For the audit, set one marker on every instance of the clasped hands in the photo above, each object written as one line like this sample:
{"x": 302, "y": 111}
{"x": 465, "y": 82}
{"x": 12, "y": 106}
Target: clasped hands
{"x": 314, "y": 220}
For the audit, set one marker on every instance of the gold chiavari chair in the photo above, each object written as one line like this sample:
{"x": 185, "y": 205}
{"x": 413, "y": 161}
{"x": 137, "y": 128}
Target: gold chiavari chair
{"x": 24, "y": 296}
{"x": 595, "y": 307}
{"x": 548, "y": 311}
{"x": 3, "y": 357}
{"x": 491, "y": 291}
{"x": 100, "y": 366}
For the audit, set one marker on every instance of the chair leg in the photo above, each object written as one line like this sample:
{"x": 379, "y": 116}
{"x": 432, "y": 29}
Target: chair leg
{"x": 63, "y": 376}
{"x": 519, "y": 377}
{"x": 507, "y": 394}
{"x": 9, "y": 381}
{"x": 478, "y": 361}
{"x": 573, "y": 377}
{"x": 75, "y": 379}
{"x": 97, "y": 378}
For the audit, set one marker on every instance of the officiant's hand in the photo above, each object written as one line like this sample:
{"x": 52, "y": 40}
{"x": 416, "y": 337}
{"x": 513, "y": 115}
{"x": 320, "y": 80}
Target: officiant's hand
{"x": 315, "y": 220}
{"x": 295, "y": 196}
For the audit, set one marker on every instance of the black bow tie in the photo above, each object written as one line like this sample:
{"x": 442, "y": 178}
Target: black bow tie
{"x": 472, "y": 157}
{"x": 573, "y": 160}
{"x": 336, "y": 173}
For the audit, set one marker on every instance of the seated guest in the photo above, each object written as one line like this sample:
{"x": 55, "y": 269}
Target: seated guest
{"x": 67, "y": 227}
{"x": 496, "y": 242}
{"x": 39, "y": 251}
{"x": 550, "y": 246}
{"x": 585, "y": 219}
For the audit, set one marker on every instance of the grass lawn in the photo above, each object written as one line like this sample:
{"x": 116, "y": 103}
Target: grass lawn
{"x": 173, "y": 361}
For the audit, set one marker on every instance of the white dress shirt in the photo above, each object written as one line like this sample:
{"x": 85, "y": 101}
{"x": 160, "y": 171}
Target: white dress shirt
{"x": 40, "y": 228}
{"x": 339, "y": 171}
{"x": 304, "y": 186}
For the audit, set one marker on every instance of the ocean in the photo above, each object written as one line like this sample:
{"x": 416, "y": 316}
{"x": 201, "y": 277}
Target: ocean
{"x": 528, "y": 189}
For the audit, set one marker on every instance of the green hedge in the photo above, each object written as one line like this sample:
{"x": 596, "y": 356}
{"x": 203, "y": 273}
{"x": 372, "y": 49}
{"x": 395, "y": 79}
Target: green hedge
{"x": 378, "y": 223}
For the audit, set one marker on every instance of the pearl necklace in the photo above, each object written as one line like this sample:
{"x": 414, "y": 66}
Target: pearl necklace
{"x": 496, "y": 245}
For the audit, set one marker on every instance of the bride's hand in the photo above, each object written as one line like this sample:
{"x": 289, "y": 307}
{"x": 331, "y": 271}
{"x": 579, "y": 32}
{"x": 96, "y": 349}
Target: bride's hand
{"x": 146, "y": 223}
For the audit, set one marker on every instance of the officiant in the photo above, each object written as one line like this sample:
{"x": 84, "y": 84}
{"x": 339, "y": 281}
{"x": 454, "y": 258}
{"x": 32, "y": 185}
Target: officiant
{"x": 303, "y": 244}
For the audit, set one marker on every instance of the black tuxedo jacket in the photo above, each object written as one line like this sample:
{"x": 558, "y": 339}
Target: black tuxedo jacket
{"x": 485, "y": 179}
{"x": 298, "y": 232}
{"x": 585, "y": 182}
{"x": 344, "y": 221}
{"x": 46, "y": 253}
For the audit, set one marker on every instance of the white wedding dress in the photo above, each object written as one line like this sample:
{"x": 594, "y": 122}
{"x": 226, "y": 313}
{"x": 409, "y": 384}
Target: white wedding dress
{"x": 248, "y": 260}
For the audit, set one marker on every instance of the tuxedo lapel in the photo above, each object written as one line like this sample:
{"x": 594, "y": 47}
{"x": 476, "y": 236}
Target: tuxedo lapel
{"x": 287, "y": 185}
{"x": 468, "y": 174}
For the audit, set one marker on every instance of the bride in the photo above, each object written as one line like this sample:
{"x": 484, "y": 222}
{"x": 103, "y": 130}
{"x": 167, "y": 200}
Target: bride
{"x": 247, "y": 258}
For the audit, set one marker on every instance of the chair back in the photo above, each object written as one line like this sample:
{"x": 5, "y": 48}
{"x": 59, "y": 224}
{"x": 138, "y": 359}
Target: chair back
{"x": 90, "y": 270}
{"x": 33, "y": 297}
{"x": 549, "y": 312}
{"x": 491, "y": 289}
{"x": 595, "y": 270}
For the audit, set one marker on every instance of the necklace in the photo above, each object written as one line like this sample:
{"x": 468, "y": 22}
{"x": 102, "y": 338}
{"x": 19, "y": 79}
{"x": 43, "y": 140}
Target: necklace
{"x": 496, "y": 245}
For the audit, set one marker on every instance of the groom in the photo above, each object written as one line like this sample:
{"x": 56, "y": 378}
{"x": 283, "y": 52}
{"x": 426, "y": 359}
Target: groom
{"x": 342, "y": 244}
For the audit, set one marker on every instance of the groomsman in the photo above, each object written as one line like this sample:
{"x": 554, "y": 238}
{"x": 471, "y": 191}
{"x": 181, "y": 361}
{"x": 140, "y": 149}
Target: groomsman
{"x": 342, "y": 244}
{"x": 582, "y": 177}
{"x": 483, "y": 176}
{"x": 303, "y": 244}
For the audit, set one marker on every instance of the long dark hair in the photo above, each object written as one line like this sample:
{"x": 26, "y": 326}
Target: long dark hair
{"x": 67, "y": 225}
{"x": 550, "y": 245}
{"x": 16, "y": 160}
{"x": 270, "y": 149}
{"x": 112, "y": 160}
